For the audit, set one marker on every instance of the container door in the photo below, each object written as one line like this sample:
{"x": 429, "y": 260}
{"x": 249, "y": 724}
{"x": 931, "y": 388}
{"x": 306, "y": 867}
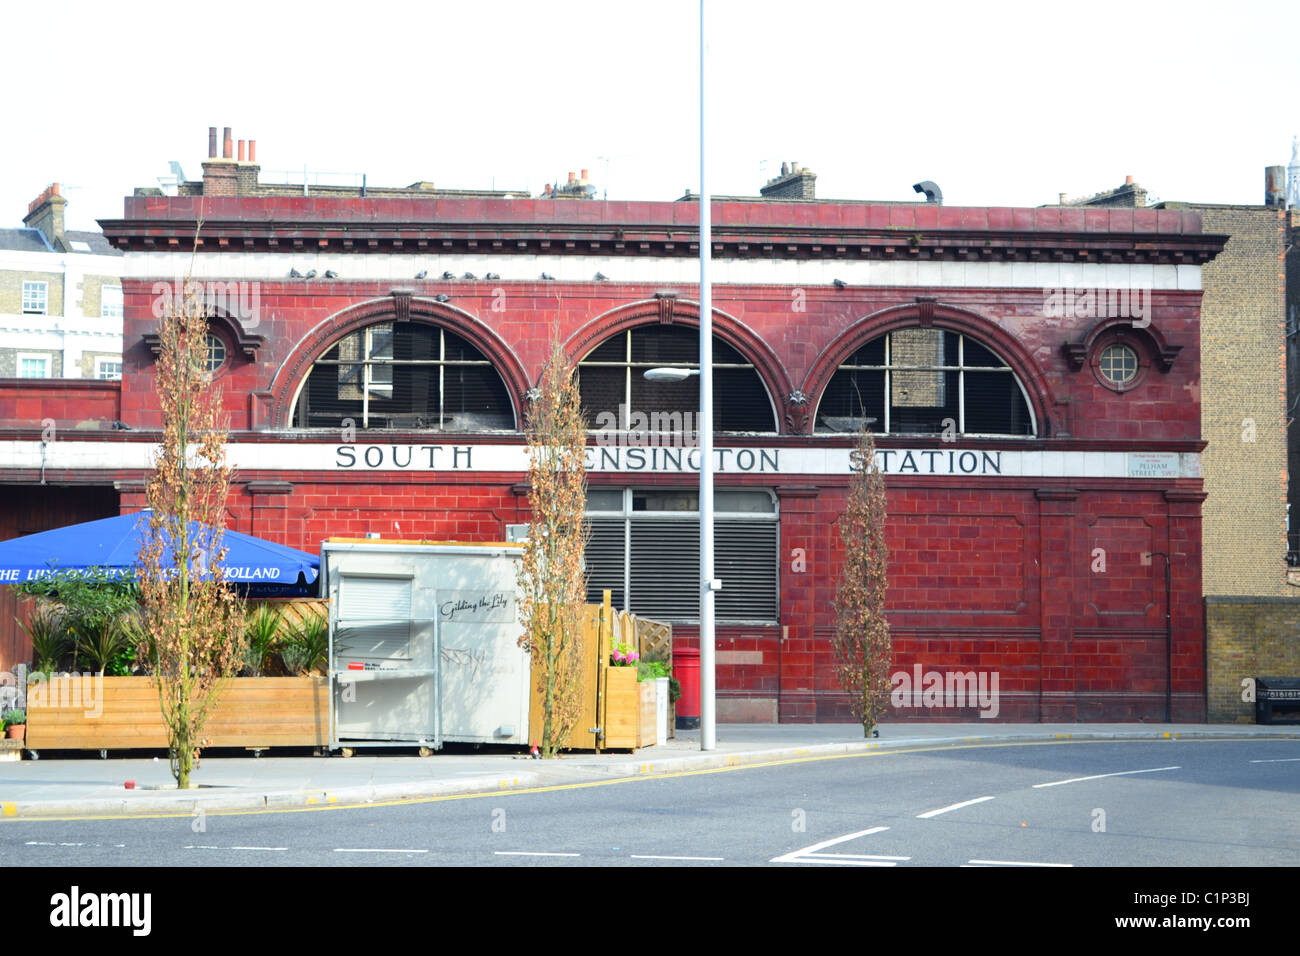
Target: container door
{"x": 385, "y": 664}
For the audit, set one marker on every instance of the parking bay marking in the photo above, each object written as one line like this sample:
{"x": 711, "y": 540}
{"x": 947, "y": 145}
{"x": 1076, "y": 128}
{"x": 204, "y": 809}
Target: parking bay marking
{"x": 813, "y": 854}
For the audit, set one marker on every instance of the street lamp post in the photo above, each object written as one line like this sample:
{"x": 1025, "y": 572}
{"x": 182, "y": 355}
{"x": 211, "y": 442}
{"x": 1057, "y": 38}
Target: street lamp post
{"x": 708, "y": 739}
{"x": 708, "y": 714}
{"x": 708, "y": 585}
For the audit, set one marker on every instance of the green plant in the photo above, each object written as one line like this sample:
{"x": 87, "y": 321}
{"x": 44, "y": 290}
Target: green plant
{"x": 263, "y": 631}
{"x": 44, "y": 625}
{"x": 89, "y": 600}
{"x": 650, "y": 670}
{"x": 14, "y": 716}
{"x": 142, "y": 652}
{"x": 312, "y": 636}
{"x": 102, "y": 640}
{"x": 123, "y": 662}
{"x": 295, "y": 655}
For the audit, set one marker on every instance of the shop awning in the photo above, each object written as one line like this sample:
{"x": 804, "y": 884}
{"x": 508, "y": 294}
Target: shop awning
{"x": 113, "y": 544}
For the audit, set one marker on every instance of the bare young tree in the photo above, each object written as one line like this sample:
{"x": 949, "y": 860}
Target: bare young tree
{"x": 192, "y": 628}
{"x": 552, "y": 583}
{"x": 862, "y": 643}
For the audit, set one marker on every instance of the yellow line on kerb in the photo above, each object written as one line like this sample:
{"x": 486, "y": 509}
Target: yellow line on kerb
{"x": 733, "y": 764}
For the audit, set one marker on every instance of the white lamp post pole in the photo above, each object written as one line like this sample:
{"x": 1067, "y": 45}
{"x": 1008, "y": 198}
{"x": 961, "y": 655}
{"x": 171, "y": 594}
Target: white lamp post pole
{"x": 708, "y": 735}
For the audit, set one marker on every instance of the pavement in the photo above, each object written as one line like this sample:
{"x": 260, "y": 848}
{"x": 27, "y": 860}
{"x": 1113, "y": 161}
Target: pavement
{"x": 58, "y": 785}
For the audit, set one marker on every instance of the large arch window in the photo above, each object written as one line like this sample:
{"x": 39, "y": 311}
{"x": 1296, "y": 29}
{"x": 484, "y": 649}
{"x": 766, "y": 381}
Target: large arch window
{"x": 925, "y": 381}
{"x": 612, "y": 382}
{"x": 404, "y": 375}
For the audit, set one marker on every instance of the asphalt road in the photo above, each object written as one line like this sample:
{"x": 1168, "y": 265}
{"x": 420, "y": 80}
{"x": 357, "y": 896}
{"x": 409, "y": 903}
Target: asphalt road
{"x": 1171, "y": 803}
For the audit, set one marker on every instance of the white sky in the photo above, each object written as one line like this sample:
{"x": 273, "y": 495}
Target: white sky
{"x": 999, "y": 103}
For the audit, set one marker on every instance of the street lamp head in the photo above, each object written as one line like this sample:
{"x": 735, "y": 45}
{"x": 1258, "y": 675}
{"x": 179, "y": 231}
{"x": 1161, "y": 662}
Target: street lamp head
{"x": 670, "y": 374}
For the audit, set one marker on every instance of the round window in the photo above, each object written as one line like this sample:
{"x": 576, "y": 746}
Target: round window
{"x": 1118, "y": 364}
{"x": 216, "y": 353}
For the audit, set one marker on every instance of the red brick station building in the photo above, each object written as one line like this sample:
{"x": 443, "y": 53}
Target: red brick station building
{"x": 377, "y": 353}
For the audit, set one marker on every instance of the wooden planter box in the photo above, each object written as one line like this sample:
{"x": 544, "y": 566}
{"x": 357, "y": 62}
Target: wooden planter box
{"x": 647, "y": 733}
{"x": 252, "y": 712}
{"x": 622, "y": 708}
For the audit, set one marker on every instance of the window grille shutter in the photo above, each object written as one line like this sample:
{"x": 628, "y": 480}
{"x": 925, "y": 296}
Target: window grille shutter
{"x": 604, "y": 559}
{"x": 745, "y": 559}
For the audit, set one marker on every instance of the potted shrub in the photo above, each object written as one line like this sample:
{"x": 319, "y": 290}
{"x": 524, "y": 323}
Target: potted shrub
{"x": 263, "y": 630}
{"x": 15, "y": 721}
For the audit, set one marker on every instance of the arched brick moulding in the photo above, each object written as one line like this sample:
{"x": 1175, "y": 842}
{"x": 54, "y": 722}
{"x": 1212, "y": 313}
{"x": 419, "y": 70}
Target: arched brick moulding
{"x": 939, "y": 316}
{"x": 1162, "y": 353}
{"x": 686, "y": 312}
{"x": 316, "y": 342}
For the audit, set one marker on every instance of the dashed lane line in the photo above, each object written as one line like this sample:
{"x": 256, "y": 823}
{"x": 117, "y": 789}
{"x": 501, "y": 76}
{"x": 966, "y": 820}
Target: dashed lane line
{"x": 1099, "y": 776}
{"x": 268, "y": 849}
{"x": 948, "y": 809}
{"x": 363, "y": 849}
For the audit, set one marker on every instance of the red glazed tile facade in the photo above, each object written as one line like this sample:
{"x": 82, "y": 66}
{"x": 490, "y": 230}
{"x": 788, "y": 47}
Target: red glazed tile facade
{"x": 994, "y": 573}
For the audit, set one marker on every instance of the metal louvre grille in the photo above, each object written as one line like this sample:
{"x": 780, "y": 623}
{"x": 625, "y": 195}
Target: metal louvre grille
{"x": 604, "y": 559}
{"x": 745, "y": 559}
{"x": 665, "y": 567}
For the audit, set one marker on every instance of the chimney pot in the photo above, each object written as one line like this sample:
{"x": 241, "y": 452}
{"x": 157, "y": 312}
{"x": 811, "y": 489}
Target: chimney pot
{"x": 241, "y": 150}
{"x": 227, "y": 145}
{"x": 212, "y": 142}
{"x": 252, "y": 150}
{"x": 571, "y": 177}
{"x": 584, "y": 175}
{"x": 1128, "y": 180}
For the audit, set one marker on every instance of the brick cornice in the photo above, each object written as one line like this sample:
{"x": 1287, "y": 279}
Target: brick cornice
{"x": 757, "y": 230}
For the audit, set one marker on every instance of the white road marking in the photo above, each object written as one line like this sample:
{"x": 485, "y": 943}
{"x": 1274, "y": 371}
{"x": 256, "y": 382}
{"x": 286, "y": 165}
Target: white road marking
{"x": 844, "y": 839}
{"x": 956, "y": 806}
{"x": 202, "y": 847}
{"x": 646, "y": 856}
{"x": 273, "y": 849}
{"x": 1011, "y": 863}
{"x": 39, "y": 843}
{"x": 1099, "y": 776}
{"x": 349, "y": 849}
{"x": 1278, "y": 760}
{"x": 532, "y": 853}
{"x": 812, "y": 854}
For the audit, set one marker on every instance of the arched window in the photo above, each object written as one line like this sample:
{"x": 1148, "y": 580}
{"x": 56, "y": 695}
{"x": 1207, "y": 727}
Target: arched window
{"x": 404, "y": 375}
{"x": 925, "y": 381}
{"x": 613, "y": 385}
